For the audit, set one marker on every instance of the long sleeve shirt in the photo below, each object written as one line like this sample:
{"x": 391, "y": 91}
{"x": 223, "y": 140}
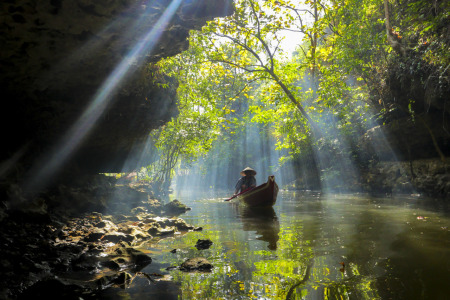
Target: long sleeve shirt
{"x": 244, "y": 183}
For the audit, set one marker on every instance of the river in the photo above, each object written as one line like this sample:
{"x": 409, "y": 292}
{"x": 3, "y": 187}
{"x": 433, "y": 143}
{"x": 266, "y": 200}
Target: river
{"x": 308, "y": 246}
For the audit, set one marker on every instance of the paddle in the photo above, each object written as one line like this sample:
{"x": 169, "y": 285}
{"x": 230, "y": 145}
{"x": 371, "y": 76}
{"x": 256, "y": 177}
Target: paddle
{"x": 234, "y": 196}
{"x": 228, "y": 199}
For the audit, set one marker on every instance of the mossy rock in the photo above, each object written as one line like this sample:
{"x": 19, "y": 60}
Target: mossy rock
{"x": 175, "y": 207}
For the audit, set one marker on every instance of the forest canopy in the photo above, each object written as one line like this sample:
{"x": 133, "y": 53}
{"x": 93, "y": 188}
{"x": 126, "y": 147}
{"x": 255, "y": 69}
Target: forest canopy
{"x": 357, "y": 64}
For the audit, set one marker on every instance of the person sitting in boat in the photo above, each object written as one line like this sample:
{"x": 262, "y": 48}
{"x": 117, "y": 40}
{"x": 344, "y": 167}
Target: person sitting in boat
{"x": 247, "y": 180}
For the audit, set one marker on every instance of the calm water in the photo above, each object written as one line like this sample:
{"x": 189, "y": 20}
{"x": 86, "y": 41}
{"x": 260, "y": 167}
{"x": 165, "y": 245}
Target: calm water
{"x": 306, "y": 247}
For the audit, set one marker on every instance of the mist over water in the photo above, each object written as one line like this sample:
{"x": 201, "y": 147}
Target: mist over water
{"x": 329, "y": 164}
{"x": 254, "y": 147}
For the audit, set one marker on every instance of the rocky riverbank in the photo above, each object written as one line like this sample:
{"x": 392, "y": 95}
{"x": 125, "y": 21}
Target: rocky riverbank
{"x": 427, "y": 177}
{"x": 98, "y": 236}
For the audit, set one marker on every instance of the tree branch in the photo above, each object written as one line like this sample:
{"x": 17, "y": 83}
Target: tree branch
{"x": 258, "y": 36}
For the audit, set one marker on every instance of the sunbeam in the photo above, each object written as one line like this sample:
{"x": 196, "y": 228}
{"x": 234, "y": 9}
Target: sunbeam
{"x": 219, "y": 171}
{"x": 102, "y": 98}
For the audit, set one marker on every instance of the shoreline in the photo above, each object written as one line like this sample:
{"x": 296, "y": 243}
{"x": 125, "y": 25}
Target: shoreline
{"x": 43, "y": 245}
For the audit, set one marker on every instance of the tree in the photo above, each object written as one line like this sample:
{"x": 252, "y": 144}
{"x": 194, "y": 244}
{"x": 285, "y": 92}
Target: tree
{"x": 206, "y": 93}
{"x": 249, "y": 41}
{"x": 255, "y": 31}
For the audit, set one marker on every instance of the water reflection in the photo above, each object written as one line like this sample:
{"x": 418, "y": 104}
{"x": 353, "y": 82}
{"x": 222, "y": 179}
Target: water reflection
{"x": 263, "y": 221}
{"x": 391, "y": 248}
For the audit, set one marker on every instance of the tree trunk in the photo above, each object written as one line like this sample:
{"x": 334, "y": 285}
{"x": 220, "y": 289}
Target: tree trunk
{"x": 395, "y": 44}
{"x": 314, "y": 43}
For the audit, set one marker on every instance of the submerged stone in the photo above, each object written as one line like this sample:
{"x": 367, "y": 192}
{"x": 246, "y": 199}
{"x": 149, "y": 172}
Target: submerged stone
{"x": 196, "y": 264}
{"x": 203, "y": 244}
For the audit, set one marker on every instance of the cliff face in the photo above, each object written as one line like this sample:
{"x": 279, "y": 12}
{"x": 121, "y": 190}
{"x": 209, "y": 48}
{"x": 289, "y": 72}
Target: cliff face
{"x": 75, "y": 79}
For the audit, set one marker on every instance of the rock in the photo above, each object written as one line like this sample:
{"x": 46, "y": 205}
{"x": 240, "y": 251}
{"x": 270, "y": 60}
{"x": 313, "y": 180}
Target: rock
{"x": 169, "y": 230}
{"x": 116, "y": 237}
{"x": 175, "y": 207}
{"x": 203, "y": 244}
{"x": 141, "y": 259}
{"x": 27, "y": 210}
{"x": 139, "y": 234}
{"x": 181, "y": 225}
{"x": 120, "y": 218}
{"x": 111, "y": 265}
{"x": 128, "y": 256}
{"x": 119, "y": 249}
{"x": 3, "y": 213}
{"x": 196, "y": 264}
{"x": 139, "y": 209}
{"x": 405, "y": 139}
{"x": 94, "y": 236}
{"x": 428, "y": 176}
{"x": 101, "y": 224}
{"x": 157, "y": 230}
{"x": 77, "y": 244}
{"x": 121, "y": 279}
{"x": 55, "y": 57}
{"x": 154, "y": 205}
{"x": 52, "y": 289}
{"x": 86, "y": 262}
{"x": 164, "y": 226}
{"x": 106, "y": 224}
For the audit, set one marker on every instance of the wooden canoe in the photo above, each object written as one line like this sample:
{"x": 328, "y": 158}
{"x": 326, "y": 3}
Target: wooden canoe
{"x": 261, "y": 196}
